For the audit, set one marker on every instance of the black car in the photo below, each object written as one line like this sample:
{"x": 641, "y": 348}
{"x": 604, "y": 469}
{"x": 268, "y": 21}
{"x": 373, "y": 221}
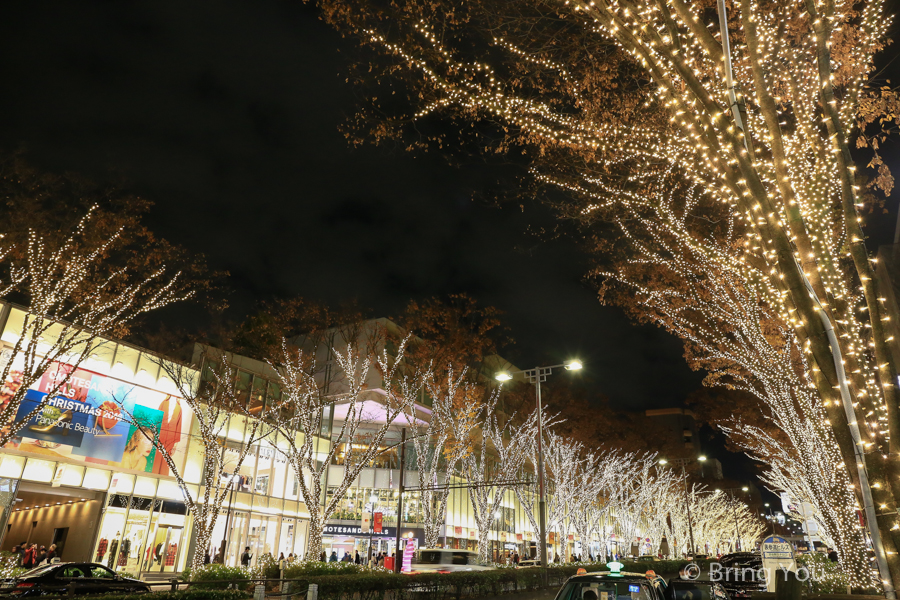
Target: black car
{"x": 690, "y": 589}
{"x": 56, "y": 579}
{"x": 610, "y": 586}
{"x": 740, "y": 574}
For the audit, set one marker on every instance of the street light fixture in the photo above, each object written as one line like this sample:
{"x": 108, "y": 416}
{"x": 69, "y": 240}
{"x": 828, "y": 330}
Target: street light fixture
{"x": 687, "y": 502}
{"x": 537, "y": 376}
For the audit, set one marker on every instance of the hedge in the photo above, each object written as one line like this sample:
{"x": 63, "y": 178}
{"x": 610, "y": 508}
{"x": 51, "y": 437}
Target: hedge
{"x": 215, "y": 576}
{"x": 341, "y": 581}
{"x": 182, "y": 595}
{"x": 373, "y": 584}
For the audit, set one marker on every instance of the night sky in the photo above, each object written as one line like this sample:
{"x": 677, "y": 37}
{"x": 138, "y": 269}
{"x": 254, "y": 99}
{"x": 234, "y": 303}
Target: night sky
{"x": 226, "y": 115}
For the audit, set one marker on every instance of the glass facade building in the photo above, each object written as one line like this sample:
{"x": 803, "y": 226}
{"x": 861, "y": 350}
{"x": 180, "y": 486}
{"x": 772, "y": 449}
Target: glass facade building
{"x": 86, "y": 483}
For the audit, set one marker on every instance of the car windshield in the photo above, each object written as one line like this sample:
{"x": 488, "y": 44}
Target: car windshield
{"x": 690, "y": 591}
{"x": 604, "y": 590}
{"x": 432, "y": 557}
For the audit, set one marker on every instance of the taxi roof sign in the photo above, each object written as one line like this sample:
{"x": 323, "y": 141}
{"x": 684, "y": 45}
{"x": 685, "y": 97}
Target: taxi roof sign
{"x": 615, "y": 568}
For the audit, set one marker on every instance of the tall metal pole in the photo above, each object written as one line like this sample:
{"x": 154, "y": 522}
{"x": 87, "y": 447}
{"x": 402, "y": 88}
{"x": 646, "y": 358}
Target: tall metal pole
{"x": 737, "y": 527}
{"x": 225, "y": 536}
{"x": 542, "y": 523}
{"x": 687, "y": 505}
{"x": 398, "y": 560}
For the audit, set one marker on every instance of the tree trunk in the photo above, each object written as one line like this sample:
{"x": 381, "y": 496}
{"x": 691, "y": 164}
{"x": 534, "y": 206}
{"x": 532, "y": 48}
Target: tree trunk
{"x": 204, "y": 530}
{"x": 314, "y": 537}
{"x": 484, "y": 544}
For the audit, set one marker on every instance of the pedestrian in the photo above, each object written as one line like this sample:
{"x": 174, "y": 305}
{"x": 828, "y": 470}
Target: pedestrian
{"x": 245, "y": 557}
{"x": 323, "y": 557}
{"x": 832, "y": 555}
{"x": 30, "y": 557}
{"x": 346, "y": 558}
{"x": 206, "y": 558}
{"x": 41, "y": 556}
{"x": 51, "y": 554}
{"x": 291, "y": 557}
{"x": 356, "y": 559}
{"x": 333, "y": 557}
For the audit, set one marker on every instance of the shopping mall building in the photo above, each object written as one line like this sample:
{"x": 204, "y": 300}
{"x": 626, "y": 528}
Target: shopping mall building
{"x": 82, "y": 480}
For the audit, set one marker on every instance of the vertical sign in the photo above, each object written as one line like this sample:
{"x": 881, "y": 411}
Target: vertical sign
{"x": 408, "y": 554}
{"x": 777, "y": 555}
{"x": 58, "y": 475}
{"x": 366, "y": 522}
{"x": 379, "y": 519}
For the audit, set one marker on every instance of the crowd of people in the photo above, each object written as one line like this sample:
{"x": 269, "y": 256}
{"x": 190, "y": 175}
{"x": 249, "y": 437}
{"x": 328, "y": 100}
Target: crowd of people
{"x": 32, "y": 555}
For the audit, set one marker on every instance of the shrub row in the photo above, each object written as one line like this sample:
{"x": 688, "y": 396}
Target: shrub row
{"x": 182, "y": 595}
{"x": 372, "y": 585}
{"x": 338, "y": 581}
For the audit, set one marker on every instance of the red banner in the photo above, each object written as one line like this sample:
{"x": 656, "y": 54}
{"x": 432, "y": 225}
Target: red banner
{"x": 378, "y": 520}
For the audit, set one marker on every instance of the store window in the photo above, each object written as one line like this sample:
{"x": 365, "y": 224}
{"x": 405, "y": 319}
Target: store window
{"x": 385, "y": 458}
{"x": 258, "y": 396}
{"x": 280, "y": 470}
{"x": 264, "y": 481}
{"x": 242, "y": 388}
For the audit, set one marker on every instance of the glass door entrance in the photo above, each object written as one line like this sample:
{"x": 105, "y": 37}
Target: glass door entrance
{"x": 165, "y": 548}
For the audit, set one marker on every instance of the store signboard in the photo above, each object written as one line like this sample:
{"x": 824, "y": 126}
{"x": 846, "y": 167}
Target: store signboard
{"x": 89, "y": 419}
{"x": 356, "y": 530}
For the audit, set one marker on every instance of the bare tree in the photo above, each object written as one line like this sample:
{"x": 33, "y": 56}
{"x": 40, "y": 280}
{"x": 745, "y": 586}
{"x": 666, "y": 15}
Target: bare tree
{"x": 491, "y": 469}
{"x": 215, "y": 403}
{"x": 306, "y": 406}
{"x": 441, "y": 444}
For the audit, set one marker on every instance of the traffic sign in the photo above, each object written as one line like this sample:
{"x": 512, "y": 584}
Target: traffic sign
{"x": 777, "y": 557}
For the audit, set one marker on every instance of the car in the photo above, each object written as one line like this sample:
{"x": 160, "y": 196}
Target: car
{"x": 82, "y": 578}
{"x": 692, "y": 589}
{"x": 529, "y": 562}
{"x": 740, "y": 574}
{"x": 606, "y": 585}
{"x": 446, "y": 560}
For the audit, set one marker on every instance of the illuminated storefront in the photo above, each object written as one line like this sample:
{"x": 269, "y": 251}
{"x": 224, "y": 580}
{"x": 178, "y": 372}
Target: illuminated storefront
{"x": 79, "y": 476}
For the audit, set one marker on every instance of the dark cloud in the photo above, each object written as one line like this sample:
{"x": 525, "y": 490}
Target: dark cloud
{"x": 226, "y": 114}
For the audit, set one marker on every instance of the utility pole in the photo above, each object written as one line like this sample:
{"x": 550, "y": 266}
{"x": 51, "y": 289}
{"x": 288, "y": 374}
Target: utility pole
{"x": 398, "y": 560}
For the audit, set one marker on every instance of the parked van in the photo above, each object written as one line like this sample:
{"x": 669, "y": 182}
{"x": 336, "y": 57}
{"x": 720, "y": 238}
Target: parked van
{"x": 446, "y": 560}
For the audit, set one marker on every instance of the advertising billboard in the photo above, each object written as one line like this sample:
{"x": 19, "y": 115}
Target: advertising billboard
{"x": 91, "y": 418}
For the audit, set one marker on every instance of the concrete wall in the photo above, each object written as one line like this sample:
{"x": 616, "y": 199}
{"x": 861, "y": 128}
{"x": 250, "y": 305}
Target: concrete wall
{"x": 82, "y": 519}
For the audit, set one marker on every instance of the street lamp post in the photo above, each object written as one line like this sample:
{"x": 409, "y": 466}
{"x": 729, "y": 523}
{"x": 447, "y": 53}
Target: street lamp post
{"x": 737, "y": 527}
{"x": 771, "y": 517}
{"x": 687, "y": 501}
{"x": 234, "y": 479}
{"x": 537, "y": 376}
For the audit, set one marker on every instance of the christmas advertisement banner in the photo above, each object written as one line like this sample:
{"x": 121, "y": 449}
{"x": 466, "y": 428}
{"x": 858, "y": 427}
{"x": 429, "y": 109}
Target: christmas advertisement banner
{"x": 92, "y": 418}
